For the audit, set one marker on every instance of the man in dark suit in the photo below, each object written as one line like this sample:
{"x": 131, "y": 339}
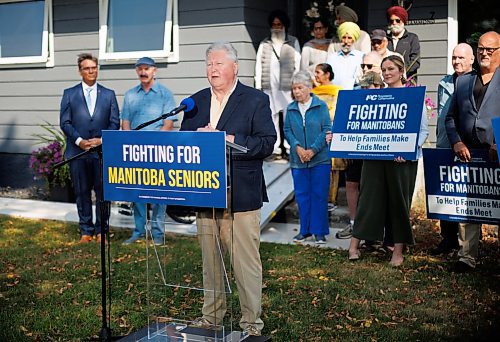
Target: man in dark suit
{"x": 244, "y": 114}
{"x": 475, "y": 102}
{"x": 462, "y": 59}
{"x": 87, "y": 109}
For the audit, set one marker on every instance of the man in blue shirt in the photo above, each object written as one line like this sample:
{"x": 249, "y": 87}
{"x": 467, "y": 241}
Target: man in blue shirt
{"x": 143, "y": 103}
{"x": 346, "y": 63}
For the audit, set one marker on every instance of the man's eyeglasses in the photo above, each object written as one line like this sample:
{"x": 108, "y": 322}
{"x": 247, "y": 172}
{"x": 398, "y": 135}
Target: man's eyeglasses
{"x": 392, "y": 21}
{"x": 88, "y": 69}
{"x": 489, "y": 51}
{"x": 368, "y": 66}
{"x": 318, "y": 28}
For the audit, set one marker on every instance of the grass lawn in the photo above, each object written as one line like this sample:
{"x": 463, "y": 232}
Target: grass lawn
{"x": 50, "y": 289}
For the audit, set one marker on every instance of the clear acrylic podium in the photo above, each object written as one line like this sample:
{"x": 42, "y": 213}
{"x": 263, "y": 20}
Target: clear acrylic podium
{"x": 174, "y": 293}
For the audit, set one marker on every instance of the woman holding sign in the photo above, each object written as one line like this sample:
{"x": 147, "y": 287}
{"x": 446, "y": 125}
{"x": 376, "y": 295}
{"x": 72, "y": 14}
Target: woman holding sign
{"x": 306, "y": 124}
{"x": 387, "y": 187}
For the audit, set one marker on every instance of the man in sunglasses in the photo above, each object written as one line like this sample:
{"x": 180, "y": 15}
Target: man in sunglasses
{"x": 405, "y": 43}
{"x": 380, "y": 42}
{"x": 474, "y": 104}
{"x": 371, "y": 62}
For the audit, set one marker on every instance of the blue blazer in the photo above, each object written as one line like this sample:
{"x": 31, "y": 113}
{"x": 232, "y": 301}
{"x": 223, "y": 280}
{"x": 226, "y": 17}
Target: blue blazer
{"x": 463, "y": 121}
{"x": 75, "y": 119}
{"x": 247, "y": 116}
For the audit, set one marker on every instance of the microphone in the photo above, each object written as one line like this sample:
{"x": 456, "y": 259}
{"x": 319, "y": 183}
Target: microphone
{"x": 186, "y": 105}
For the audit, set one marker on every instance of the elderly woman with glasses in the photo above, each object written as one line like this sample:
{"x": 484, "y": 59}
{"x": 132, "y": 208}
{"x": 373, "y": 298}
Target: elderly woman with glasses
{"x": 306, "y": 124}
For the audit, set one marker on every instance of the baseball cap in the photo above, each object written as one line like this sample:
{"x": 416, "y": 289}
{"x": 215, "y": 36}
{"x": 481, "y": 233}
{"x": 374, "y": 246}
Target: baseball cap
{"x": 370, "y": 78}
{"x": 378, "y": 34}
{"x": 145, "y": 61}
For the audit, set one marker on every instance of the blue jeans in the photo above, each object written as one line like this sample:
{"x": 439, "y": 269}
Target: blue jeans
{"x": 311, "y": 187}
{"x": 157, "y": 219}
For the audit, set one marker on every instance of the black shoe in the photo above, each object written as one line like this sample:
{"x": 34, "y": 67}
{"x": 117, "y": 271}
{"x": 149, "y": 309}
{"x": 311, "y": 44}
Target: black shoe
{"x": 462, "y": 267}
{"x": 273, "y": 157}
{"x": 443, "y": 248}
{"x": 125, "y": 208}
{"x": 372, "y": 247}
{"x": 301, "y": 238}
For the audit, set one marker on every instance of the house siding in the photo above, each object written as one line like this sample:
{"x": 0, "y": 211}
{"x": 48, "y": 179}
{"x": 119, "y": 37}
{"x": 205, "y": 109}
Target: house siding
{"x": 30, "y": 96}
{"x": 433, "y": 42}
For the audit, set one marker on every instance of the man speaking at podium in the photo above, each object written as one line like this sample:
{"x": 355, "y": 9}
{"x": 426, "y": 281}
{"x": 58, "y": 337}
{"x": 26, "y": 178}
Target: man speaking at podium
{"x": 244, "y": 114}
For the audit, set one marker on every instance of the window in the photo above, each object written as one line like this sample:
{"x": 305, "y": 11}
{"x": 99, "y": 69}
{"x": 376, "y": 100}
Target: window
{"x": 131, "y": 29}
{"x": 26, "y": 33}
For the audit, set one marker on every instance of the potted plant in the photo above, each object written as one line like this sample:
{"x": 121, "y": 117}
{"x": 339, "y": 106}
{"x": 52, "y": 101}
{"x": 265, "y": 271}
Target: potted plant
{"x": 42, "y": 163}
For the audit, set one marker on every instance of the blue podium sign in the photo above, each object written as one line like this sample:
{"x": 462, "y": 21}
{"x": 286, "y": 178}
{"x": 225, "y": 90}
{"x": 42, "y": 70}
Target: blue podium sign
{"x": 181, "y": 168}
{"x": 459, "y": 191}
{"x": 377, "y": 123}
{"x": 496, "y": 131}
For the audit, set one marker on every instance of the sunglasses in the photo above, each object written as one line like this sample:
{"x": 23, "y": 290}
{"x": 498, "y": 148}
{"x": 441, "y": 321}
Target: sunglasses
{"x": 489, "y": 51}
{"x": 376, "y": 42}
{"x": 392, "y": 21}
{"x": 368, "y": 66}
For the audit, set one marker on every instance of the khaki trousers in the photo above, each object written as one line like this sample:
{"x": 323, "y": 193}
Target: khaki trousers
{"x": 468, "y": 239}
{"x": 238, "y": 234}
{"x": 334, "y": 186}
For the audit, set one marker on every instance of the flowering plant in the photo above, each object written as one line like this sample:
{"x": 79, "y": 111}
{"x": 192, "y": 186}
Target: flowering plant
{"x": 430, "y": 106}
{"x": 42, "y": 160}
{"x": 319, "y": 9}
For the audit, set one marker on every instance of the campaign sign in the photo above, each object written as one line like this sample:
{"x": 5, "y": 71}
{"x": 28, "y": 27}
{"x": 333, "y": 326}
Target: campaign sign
{"x": 496, "y": 131}
{"x": 181, "y": 168}
{"x": 377, "y": 123}
{"x": 460, "y": 191}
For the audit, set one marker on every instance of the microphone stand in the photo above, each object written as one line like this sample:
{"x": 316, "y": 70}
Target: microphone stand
{"x": 161, "y": 117}
{"x": 105, "y": 332}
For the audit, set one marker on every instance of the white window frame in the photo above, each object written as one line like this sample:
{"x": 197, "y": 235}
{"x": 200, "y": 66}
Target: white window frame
{"x": 452, "y": 31}
{"x": 47, "y": 57}
{"x": 166, "y": 55}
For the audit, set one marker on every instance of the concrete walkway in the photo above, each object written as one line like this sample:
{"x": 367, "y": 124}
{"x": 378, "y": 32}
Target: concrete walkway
{"x": 66, "y": 212}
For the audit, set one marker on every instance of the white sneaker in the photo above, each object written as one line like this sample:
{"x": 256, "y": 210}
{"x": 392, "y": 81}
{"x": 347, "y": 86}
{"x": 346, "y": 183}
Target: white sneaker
{"x": 251, "y": 330}
{"x": 345, "y": 233}
{"x": 331, "y": 207}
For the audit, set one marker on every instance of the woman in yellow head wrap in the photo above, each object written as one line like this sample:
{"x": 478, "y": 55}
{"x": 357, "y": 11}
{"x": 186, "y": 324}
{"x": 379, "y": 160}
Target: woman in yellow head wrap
{"x": 329, "y": 92}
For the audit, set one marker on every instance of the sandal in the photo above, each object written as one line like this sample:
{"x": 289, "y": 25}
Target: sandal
{"x": 354, "y": 255}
